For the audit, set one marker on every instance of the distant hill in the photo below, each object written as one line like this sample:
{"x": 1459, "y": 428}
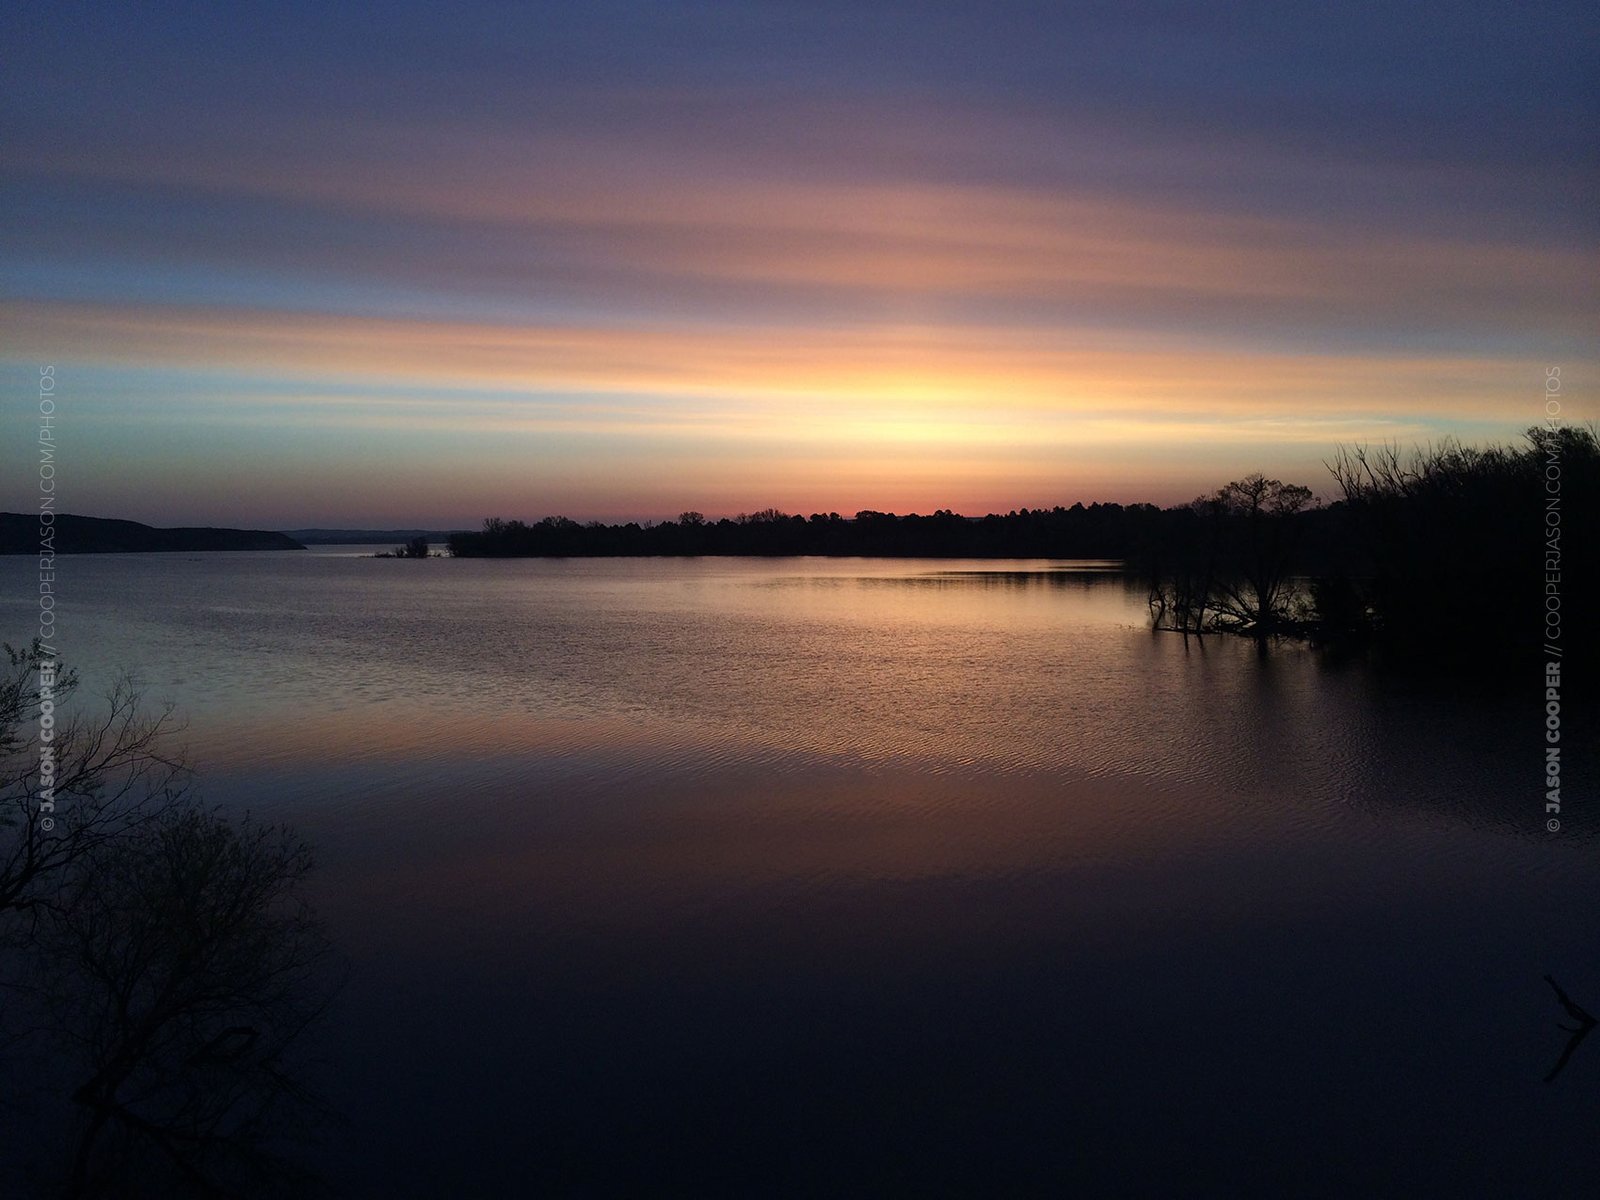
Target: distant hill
{"x": 368, "y": 537}
{"x": 19, "y": 534}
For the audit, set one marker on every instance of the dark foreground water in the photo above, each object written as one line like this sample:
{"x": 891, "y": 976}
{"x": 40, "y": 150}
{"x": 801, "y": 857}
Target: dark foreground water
{"x": 856, "y": 877}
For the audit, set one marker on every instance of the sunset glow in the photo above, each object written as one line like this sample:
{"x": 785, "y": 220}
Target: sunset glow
{"x": 531, "y": 269}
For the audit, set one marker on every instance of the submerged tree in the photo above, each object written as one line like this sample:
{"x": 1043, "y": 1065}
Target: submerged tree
{"x": 1228, "y": 567}
{"x": 1260, "y": 537}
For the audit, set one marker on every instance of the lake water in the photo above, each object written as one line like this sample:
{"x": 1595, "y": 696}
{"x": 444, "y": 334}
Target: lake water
{"x": 801, "y": 877}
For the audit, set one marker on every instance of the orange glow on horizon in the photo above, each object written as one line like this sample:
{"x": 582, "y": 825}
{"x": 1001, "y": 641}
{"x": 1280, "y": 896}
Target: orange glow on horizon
{"x": 905, "y": 373}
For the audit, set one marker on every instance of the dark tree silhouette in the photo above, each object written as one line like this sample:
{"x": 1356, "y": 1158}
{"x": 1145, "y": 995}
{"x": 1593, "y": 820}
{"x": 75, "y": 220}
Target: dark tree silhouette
{"x": 181, "y": 967}
{"x": 156, "y": 961}
{"x": 1447, "y": 541}
{"x": 1256, "y": 516}
{"x": 112, "y": 772}
{"x": 1229, "y": 569}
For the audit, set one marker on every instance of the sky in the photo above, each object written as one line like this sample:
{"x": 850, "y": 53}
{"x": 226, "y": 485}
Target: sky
{"x": 415, "y": 265}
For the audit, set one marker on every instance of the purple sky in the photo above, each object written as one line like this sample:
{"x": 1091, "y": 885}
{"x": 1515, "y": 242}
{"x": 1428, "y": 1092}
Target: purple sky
{"x": 418, "y": 265}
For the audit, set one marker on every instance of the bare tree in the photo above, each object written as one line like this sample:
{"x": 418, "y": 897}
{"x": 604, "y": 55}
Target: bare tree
{"x": 1437, "y": 535}
{"x": 1233, "y": 571}
{"x": 157, "y": 959}
{"x": 1253, "y": 592}
{"x": 111, "y": 771}
{"x": 1183, "y": 584}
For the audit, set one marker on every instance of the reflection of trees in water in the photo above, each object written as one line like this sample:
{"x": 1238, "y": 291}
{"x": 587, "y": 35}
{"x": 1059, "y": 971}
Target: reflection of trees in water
{"x": 159, "y": 963}
{"x": 1086, "y": 577}
{"x": 179, "y": 966}
{"x": 1583, "y": 1025}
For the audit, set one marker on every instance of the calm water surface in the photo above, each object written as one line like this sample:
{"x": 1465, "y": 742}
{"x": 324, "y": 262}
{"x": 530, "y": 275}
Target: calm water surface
{"x": 801, "y": 877}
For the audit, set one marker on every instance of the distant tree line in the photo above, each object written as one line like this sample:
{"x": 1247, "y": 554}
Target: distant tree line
{"x": 1440, "y": 551}
{"x": 1092, "y": 531}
